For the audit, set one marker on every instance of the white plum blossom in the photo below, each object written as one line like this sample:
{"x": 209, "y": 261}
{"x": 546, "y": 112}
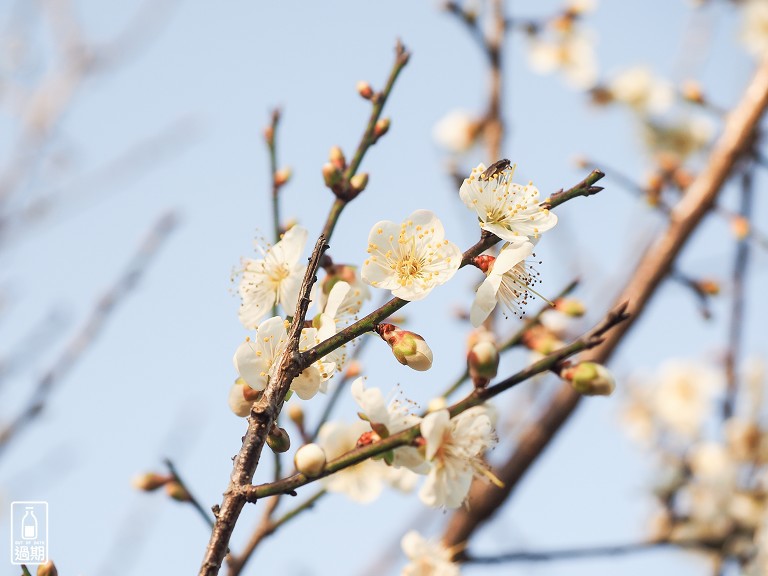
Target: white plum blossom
{"x": 754, "y": 30}
{"x": 456, "y": 131}
{"x": 256, "y": 359}
{"x": 363, "y": 482}
{"x": 274, "y": 280}
{"x": 569, "y": 50}
{"x": 427, "y": 558}
{"x": 639, "y": 89}
{"x": 507, "y": 279}
{"x": 510, "y": 211}
{"x": 411, "y": 258}
{"x": 454, "y": 449}
{"x": 389, "y": 418}
{"x": 683, "y": 396}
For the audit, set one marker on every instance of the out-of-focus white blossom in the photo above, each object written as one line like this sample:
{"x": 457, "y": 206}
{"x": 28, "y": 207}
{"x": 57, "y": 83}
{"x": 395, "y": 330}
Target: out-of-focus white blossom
{"x": 570, "y": 51}
{"x": 456, "y": 131}
{"x": 639, "y": 89}
{"x": 754, "y": 28}
{"x": 683, "y": 396}
{"x": 411, "y": 258}
{"x": 679, "y": 139}
{"x": 427, "y": 558}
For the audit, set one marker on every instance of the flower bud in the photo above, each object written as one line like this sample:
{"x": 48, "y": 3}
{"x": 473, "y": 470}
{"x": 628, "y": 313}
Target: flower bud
{"x": 691, "y": 91}
{"x": 331, "y": 175}
{"x": 47, "y": 569}
{"x": 541, "y": 340}
{"x": 150, "y": 481}
{"x": 408, "y": 347}
{"x": 590, "y": 379}
{"x": 571, "y": 307}
{"x": 354, "y": 369}
{"x": 269, "y": 135}
{"x": 740, "y": 227}
{"x": 336, "y": 157}
{"x": 358, "y": 182}
{"x": 176, "y": 491}
{"x": 364, "y": 89}
{"x": 296, "y": 414}
{"x": 282, "y": 176}
{"x": 381, "y": 128}
{"x": 310, "y": 460}
{"x": 278, "y": 440}
{"x": 483, "y": 363}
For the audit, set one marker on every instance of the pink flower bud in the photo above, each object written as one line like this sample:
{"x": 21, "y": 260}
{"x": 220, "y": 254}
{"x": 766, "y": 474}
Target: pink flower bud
{"x": 331, "y": 175}
{"x": 408, "y": 347}
{"x": 282, "y": 176}
{"x": 336, "y": 157}
{"x": 150, "y": 481}
{"x": 358, "y": 182}
{"x": 381, "y": 127}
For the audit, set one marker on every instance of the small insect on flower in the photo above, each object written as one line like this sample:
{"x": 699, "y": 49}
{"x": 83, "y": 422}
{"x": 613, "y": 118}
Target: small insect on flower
{"x": 495, "y": 169}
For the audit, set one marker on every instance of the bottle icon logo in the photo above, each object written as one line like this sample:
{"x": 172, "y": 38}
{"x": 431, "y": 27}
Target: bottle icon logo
{"x": 29, "y": 532}
{"x": 29, "y": 524}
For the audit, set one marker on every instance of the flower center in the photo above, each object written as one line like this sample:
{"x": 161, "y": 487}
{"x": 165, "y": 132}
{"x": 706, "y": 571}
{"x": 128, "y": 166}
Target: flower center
{"x": 278, "y": 273}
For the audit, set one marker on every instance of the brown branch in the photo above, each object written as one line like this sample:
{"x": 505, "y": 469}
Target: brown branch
{"x": 648, "y": 274}
{"x": 263, "y": 416}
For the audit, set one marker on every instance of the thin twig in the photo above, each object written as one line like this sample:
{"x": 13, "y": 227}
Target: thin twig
{"x": 91, "y": 328}
{"x": 738, "y": 284}
{"x": 271, "y": 140}
{"x": 204, "y": 514}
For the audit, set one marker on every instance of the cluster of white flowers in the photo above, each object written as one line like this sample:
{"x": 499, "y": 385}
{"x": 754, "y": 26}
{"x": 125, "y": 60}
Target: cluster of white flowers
{"x": 710, "y": 491}
{"x": 565, "y": 46}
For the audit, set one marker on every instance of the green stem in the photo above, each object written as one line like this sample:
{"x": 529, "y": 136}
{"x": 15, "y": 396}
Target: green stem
{"x": 272, "y": 147}
{"x": 25, "y": 570}
{"x": 583, "y": 188}
{"x": 368, "y": 139}
{"x": 477, "y": 397}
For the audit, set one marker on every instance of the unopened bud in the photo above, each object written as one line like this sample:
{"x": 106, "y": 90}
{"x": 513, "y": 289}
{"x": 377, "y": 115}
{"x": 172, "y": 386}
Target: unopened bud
{"x": 708, "y": 287}
{"x": 436, "y": 404}
{"x": 408, "y": 347}
{"x": 479, "y": 334}
{"x": 176, "y": 491}
{"x": 571, "y": 307}
{"x": 331, "y": 175}
{"x": 282, "y": 176}
{"x": 691, "y": 91}
{"x": 47, "y": 569}
{"x": 740, "y": 227}
{"x": 590, "y": 379}
{"x": 682, "y": 178}
{"x": 381, "y": 127}
{"x": 310, "y": 460}
{"x": 358, "y": 182}
{"x": 364, "y": 89}
{"x": 269, "y": 135}
{"x": 354, "y": 369}
{"x": 296, "y": 414}
{"x": 336, "y": 157}
{"x": 483, "y": 363}
{"x": 278, "y": 440}
{"x": 541, "y": 340}
{"x": 150, "y": 481}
